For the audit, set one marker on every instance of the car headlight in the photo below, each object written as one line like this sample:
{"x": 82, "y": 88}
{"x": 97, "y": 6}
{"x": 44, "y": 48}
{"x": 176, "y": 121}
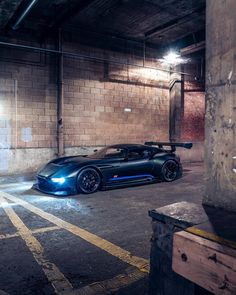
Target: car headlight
{"x": 60, "y": 180}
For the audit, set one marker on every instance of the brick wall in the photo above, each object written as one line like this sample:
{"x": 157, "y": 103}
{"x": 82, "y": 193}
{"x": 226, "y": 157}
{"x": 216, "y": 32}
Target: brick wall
{"x": 95, "y": 105}
{"x": 28, "y": 99}
{"x": 96, "y": 95}
{"x": 193, "y": 120}
{"x": 192, "y": 125}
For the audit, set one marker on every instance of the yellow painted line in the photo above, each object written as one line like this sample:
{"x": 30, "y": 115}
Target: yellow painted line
{"x": 110, "y": 286}
{"x": 8, "y": 236}
{"x": 13, "y": 184}
{"x": 211, "y": 236}
{"x": 124, "y": 255}
{"x": 44, "y": 229}
{"x": 34, "y": 231}
{"x": 55, "y": 277}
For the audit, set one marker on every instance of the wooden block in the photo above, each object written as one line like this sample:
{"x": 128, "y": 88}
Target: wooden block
{"x": 204, "y": 262}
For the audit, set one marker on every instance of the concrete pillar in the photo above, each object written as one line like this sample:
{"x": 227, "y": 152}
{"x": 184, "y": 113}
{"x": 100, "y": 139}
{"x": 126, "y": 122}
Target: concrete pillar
{"x": 176, "y": 105}
{"x": 220, "y": 126}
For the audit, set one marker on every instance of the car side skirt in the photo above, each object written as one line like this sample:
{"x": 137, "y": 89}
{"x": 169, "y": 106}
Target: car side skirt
{"x": 130, "y": 180}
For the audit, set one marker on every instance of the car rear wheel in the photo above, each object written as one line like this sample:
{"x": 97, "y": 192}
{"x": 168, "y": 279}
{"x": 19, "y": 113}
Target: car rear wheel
{"x": 170, "y": 170}
{"x": 88, "y": 181}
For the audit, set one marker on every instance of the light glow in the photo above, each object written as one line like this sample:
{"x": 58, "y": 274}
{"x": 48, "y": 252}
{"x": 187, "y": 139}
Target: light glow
{"x": 173, "y": 58}
{"x": 60, "y": 180}
{"x": 7, "y": 205}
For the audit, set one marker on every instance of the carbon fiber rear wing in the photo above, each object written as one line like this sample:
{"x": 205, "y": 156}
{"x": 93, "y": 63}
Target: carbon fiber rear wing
{"x": 173, "y": 145}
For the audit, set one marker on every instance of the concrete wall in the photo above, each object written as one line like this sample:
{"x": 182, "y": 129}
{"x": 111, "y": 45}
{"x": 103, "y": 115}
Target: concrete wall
{"x": 220, "y": 105}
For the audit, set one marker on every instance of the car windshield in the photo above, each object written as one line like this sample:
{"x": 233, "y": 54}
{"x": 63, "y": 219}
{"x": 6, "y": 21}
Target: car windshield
{"x": 109, "y": 152}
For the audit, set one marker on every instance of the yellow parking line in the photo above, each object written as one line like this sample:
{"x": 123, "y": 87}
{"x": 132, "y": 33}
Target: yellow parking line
{"x": 18, "y": 184}
{"x": 55, "y": 277}
{"x": 34, "y": 231}
{"x": 110, "y": 286}
{"x": 45, "y": 229}
{"x": 8, "y": 236}
{"x": 124, "y": 255}
{"x": 210, "y": 236}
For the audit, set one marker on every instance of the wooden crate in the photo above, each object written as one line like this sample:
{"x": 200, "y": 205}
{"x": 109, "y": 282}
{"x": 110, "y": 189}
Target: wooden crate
{"x": 207, "y": 263}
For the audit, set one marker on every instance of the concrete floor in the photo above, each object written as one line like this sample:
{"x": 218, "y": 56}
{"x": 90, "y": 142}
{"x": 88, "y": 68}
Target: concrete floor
{"x": 63, "y": 258}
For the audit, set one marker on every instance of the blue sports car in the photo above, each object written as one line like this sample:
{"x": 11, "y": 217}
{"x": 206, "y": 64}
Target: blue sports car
{"x": 112, "y": 166}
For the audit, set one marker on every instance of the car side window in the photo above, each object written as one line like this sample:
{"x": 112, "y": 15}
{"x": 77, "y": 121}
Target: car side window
{"x": 134, "y": 155}
{"x": 115, "y": 153}
{"x": 147, "y": 153}
{"x": 139, "y": 154}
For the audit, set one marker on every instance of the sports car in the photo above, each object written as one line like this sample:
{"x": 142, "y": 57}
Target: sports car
{"x": 112, "y": 166}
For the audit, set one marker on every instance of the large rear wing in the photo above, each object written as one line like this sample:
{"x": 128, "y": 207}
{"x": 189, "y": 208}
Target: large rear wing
{"x": 173, "y": 145}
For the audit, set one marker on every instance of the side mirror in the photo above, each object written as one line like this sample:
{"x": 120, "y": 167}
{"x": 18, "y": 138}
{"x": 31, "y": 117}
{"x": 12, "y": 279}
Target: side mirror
{"x": 95, "y": 150}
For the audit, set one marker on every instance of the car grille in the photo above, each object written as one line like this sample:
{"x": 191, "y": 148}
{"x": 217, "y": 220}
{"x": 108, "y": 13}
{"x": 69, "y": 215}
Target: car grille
{"x": 44, "y": 184}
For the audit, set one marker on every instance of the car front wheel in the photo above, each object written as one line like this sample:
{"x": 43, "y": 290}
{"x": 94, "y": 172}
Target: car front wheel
{"x": 88, "y": 181}
{"x": 170, "y": 170}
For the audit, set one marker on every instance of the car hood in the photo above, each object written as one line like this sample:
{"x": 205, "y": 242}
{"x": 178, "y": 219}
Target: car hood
{"x": 59, "y": 164}
{"x": 71, "y": 160}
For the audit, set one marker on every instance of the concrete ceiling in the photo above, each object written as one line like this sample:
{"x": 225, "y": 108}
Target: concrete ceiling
{"x": 157, "y": 22}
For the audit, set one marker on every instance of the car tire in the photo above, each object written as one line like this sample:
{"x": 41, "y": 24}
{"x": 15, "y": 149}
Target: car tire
{"x": 170, "y": 170}
{"x": 88, "y": 181}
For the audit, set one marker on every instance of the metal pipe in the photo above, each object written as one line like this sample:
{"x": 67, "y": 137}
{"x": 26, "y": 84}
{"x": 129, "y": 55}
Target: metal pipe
{"x": 60, "y": 99}
{"x": 16, "y": 111}
{"x": 23, "y": 15}
{"x": 76, "y": 55}
{"x": 144, "y": 52}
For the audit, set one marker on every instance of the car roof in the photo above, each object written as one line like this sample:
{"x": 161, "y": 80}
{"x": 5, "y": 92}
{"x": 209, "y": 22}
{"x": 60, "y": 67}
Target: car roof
{"x": 130, "y": 146}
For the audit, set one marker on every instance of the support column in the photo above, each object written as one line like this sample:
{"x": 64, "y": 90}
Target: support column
{"x": 176, "y": 105}
{"x": 220, "y": 126}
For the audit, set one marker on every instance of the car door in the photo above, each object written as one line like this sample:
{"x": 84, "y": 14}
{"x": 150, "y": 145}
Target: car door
{"x": 136, "y": 166}
{"x": 111, "y": 163}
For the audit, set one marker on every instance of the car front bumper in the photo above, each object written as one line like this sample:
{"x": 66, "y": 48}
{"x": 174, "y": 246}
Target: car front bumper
{"x": 46, "y": 185}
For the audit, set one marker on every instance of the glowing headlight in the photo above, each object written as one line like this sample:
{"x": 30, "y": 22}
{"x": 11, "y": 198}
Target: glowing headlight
{"x": 60, "y": 180}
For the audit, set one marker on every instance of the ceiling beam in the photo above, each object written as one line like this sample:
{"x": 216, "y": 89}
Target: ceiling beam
{"x": 193, "y": 48}
{"x": 175, "y": 22}
{"x": 71, "y": 12}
